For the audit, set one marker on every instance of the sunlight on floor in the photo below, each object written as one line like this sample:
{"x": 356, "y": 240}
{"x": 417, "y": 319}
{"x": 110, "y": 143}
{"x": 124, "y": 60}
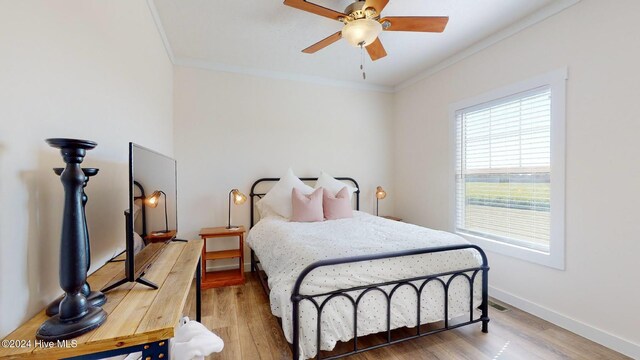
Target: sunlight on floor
{"x": 506, "y": 345}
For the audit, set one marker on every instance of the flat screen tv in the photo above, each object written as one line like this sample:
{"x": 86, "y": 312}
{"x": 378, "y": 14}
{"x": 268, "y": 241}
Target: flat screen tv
{"x": 151, "y": 220}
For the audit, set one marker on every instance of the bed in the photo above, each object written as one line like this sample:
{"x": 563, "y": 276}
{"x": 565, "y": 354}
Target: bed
{"x": 338, "y": 280}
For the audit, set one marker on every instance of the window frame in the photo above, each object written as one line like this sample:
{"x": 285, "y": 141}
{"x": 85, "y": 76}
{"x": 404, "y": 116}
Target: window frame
{"x": 556, "y": 80}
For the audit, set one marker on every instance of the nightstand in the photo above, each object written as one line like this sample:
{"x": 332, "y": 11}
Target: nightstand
{"x": 157, "y": 236}
{"x": 212, "y": 279}
{"x": 392, "y": 218}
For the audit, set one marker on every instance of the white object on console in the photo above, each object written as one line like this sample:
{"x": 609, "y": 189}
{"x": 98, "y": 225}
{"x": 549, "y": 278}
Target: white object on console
{"x": 193, "y": 341}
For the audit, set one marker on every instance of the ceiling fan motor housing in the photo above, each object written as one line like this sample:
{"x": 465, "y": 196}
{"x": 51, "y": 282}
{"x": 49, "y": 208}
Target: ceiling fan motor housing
{"x": 357, "y": 11}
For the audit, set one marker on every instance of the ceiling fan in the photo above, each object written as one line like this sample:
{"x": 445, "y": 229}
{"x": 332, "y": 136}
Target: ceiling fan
{"x": 363, "y": 24}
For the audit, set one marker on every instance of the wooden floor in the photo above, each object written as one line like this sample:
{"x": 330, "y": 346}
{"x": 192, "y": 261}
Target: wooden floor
{"x": 241, "y": 316}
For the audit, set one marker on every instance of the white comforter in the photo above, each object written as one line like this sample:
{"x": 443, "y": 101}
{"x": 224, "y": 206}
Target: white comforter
{"x": 286, "y": 248}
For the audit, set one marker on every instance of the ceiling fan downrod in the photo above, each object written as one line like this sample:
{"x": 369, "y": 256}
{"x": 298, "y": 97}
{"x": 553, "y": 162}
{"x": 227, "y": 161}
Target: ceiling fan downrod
{"x": 364, "y": 75}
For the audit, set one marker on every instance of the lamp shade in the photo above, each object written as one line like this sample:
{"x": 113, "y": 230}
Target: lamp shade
{"x": 380, "y": 193}
{"x": 153, "y": 199}
{"x": 238, "y": 197}
{"x": 361, "y": 32}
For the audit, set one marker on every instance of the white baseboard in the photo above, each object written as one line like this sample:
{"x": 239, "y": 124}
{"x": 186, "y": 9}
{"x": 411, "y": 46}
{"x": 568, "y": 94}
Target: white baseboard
{"x": 604, "y": 338}
{"x": 247, "y": 267}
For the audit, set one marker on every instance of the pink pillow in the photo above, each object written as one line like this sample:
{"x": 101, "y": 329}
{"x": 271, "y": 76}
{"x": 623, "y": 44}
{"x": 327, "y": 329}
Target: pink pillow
{"x": 336, "y": 207}
{"x": 306, "y": 208}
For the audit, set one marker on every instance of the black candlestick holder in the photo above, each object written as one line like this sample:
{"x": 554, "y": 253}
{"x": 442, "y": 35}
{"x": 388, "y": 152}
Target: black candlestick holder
{"x": 76, "y": 316}
{"x": 95, "y": 298}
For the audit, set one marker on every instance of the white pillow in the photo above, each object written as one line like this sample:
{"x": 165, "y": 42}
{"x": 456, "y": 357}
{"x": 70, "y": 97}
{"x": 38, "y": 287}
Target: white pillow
{"x": 264, "y": 211}
{"x": 136, "y": 211}
{"x": 278, "y": 199}
{"x": 332, "y": 185}
{"x": 138, "y": 243}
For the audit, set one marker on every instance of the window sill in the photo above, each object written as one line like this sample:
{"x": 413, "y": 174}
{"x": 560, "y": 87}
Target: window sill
{"x": 553, "y": 259}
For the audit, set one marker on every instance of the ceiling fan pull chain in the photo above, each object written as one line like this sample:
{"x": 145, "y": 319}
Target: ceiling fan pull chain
{"x": 364, "y": 75}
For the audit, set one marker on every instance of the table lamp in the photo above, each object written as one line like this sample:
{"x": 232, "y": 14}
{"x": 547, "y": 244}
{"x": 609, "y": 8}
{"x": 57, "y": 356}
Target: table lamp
{"x": 380, "y": 194}
{"x": 238, "y": 199}
{"x": 153, "y": 201}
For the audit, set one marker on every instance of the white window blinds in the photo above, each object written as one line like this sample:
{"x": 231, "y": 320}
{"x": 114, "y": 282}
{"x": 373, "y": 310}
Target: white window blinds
{"x": 503, "y": 169}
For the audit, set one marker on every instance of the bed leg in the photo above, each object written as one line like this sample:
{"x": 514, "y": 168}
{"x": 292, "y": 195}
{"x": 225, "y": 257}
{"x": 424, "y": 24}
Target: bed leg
{"x": 485, "y": 298}
{"x": 253, "y": 261}
{"x": 485, "y": 326}
{"x": 296, "y": 327}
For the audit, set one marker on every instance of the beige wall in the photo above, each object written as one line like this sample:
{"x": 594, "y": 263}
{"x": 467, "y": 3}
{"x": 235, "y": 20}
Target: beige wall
{"x": 97, "y": 70}
{"x": 598, "y": 293}
{"x": 71, "y": 68}
{"x": 232, "y": 129}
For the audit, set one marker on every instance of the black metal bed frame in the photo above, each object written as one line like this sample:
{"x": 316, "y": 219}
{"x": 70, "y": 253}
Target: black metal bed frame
{"x": 297, "y": 297}
{"x": 143, "y": 207}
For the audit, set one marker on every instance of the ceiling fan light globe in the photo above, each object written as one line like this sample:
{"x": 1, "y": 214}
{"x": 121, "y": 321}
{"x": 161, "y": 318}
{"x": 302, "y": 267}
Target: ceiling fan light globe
{"x": 361, "y": 31}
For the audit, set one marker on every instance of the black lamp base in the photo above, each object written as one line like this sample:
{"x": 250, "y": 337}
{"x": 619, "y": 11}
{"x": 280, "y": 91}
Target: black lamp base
{"x": 233, "y": 227}
{"x": 95, "y": 298}
{"x": 55, "y": 329}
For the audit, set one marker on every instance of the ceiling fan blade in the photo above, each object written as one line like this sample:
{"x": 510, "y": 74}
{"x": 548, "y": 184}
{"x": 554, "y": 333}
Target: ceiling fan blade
{"x": 376, "y": 50}
{"x": 323, "y": 43}
{"x": 376, "y": 4}
{"x": 415, "y": 23}
{"x": 315, "y": 9}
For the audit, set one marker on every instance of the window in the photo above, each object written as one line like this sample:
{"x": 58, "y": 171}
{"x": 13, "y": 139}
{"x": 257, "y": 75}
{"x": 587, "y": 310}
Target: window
{"x": 509, "y": 170}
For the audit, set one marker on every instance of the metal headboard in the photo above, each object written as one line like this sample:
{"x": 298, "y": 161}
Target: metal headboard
{"x": 143, "y": 207}
{"x": 254, "y": 195}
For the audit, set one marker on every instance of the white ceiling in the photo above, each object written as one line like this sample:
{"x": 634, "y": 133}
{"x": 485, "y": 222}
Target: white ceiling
{"x": 267, "y": 36}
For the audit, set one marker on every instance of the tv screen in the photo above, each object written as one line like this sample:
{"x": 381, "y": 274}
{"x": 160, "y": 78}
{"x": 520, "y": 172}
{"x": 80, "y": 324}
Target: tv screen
{"x": 153, "y": 173}
{"x": 151, "y": 220}
{"x": 153, "y": 198}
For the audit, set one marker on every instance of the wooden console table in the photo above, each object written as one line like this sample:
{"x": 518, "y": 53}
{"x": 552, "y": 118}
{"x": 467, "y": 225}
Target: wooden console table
{"x": 140, "y": 319}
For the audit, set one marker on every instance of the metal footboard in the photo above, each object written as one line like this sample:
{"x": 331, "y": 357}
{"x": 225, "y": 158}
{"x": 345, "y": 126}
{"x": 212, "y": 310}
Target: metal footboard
{"x": 297, "y": 297}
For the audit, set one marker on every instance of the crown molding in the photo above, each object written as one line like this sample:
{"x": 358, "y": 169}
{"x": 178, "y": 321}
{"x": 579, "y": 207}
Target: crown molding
{"x": 163, "y": 34}
{"x": 528, "y": 21}
{"x": 279, "y": 75}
